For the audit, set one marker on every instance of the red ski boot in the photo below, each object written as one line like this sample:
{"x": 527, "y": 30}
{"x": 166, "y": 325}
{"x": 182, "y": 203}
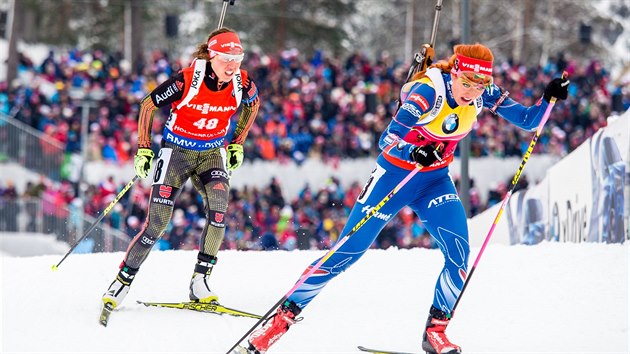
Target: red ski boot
{"x": 434, "y": 340}
{"x": 274, "y": 328}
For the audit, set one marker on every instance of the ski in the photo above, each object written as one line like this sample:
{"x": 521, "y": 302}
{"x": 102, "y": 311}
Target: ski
{"x": 378, "y": 351}
{"x": 107, "y": 310}
{"x": 211, "y": 307}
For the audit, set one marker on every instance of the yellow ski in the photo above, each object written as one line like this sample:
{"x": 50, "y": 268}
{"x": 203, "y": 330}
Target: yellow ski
{"x": 211, "y": 307}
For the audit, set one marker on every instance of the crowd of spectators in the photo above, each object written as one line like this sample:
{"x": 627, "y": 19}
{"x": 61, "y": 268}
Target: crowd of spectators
{"x": 256, "y": 219}
{"x": 317, "y": 107}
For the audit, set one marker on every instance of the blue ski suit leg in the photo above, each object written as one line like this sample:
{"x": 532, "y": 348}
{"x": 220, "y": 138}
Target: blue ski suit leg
{"x": 430, "y": 194}
{"x": 442, "y": 213}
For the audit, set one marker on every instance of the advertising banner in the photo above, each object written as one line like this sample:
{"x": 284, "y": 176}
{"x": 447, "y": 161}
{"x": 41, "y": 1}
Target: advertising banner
{"x": 584, "y": 196}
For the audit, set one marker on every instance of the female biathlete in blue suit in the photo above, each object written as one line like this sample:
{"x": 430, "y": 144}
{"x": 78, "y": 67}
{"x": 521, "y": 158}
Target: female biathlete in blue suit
{"x": 439, "y": 108}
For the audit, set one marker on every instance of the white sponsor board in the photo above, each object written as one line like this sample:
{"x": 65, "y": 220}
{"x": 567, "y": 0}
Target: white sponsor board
{"x": 570, "y": 197}
{"x": 583, "y": 198}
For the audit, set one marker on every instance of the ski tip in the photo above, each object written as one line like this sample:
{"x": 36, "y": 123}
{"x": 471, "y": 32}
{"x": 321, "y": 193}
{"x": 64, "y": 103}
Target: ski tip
{"x": 104, "y": 319}
{"x": 108, "y": 307}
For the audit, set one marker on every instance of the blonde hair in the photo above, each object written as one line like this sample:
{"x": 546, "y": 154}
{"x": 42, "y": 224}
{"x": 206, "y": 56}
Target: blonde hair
{"x": 477, "y": 51}
{"x": 202, "y": 48}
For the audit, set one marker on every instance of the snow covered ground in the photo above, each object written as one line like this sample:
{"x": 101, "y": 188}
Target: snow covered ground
{"x": 550, "y": 298}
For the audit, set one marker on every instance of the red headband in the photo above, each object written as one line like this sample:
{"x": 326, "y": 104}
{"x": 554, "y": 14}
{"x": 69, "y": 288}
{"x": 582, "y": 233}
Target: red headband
{"x": 464, "y": 63}
{"x": 224, "y": 42}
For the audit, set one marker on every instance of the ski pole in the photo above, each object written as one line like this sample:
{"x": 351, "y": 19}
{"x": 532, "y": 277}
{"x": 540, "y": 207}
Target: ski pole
{"x": 329, "y": 254}
{"x": 528, "y": 153}
{"x": 109, "y": 207}
{"x": 223, "y": 10}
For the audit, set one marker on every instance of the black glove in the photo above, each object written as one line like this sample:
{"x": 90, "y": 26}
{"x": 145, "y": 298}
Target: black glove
{"x": 426, "y": 155}
{"x": 558, "y": 88}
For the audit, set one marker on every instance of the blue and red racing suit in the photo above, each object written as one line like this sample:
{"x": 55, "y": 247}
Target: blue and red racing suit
{"x": 428, "y": 114}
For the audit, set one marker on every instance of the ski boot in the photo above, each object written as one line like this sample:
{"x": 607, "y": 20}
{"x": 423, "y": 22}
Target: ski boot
{"x": 116, "y": 292}
{"x": 119, "y": 288}
{"x": 199, "y": 288}
{"x": 274, "y": 327}
{"x": 434, "y": 340}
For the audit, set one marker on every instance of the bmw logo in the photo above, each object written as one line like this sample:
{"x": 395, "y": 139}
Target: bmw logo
{"x": 450, "y": 124}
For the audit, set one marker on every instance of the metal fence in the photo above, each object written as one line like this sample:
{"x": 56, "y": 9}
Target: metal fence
{"x": 28, "y": 147}
{"x": 33, "y": 216}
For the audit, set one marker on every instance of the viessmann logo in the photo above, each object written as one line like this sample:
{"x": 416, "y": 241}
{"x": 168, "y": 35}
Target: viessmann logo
{"x": 476, "y": 68}
{"x": 207, "y": 108}
{"x": 230, "y": 45}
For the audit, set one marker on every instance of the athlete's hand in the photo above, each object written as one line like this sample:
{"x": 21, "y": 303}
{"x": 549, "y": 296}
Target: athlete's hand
{"x": 426, "y": 155}
{"x": 234, "y": 157}
{"x": 142, "y": 162}
{"x": 558, "y": 88}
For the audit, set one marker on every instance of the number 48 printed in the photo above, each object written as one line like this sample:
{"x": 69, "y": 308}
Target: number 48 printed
{"x": 209, "y": 124}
